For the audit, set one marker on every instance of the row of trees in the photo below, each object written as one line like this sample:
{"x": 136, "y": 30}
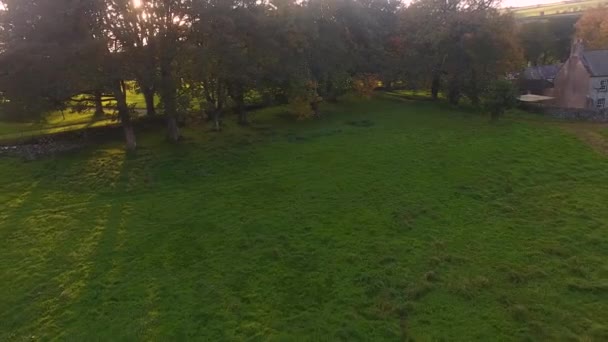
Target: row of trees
{"x": 548, "y": 41}
{"x": 209, "y": 55}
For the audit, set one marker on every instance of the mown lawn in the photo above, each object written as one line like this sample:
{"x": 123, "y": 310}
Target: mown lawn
{"x": 385, "y": 220}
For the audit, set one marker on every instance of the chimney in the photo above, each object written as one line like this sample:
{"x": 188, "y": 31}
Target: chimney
{"x": 577, "y": 48}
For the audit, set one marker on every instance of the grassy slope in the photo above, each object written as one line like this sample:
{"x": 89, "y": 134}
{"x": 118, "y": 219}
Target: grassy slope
{"x": 383, "y": 220}
{"x": 557, "y": 8}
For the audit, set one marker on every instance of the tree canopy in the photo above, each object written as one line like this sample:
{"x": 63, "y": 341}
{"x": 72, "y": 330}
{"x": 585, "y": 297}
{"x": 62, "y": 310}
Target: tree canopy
{"x": 547, "y": 41}
{"x": 593, "y": 28}
{"x": 206, "y": 57}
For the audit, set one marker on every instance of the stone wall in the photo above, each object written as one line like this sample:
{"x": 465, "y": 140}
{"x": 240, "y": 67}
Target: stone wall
{"x": 39, "y": 150}
{"x": 576, "y": 114}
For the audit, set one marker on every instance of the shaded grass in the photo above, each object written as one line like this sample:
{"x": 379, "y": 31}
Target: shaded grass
{"x": 384, "y": 220}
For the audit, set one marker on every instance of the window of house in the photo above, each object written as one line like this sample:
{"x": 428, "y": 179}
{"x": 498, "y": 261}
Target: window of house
{"x": 601, "y": 103}
{"x": 604, "y": 85}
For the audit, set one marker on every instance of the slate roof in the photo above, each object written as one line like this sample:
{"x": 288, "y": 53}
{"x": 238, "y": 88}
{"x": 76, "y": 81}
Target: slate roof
{"x": 542, "y": 72}
{"x": 596, "y": 62}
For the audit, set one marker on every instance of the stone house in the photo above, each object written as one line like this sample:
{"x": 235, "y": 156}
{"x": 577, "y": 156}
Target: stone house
{"x": 582, "y": 82}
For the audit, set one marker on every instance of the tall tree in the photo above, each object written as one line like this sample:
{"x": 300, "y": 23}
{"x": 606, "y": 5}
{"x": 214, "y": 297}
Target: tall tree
{"x": 294, "y": 34}
{"x": 547, "y": 41}
{"x": 492, "y": 51}
{"x": 427, "y": 26}
{"x": 43, "y": 42}
{"x": 127, "y": 22}
{"x": 152, "y": 31}
{"x": 463, "y": 43}
{"x": 170, "y": 20}
{"x": 538, "y": 42}
{"x": 57, "y": 49}
{"x": 592, "y": 27}
{"x": 222, "y": 52}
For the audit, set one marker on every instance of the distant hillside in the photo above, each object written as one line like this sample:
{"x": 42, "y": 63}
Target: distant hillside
{"x": 564, "y": 8}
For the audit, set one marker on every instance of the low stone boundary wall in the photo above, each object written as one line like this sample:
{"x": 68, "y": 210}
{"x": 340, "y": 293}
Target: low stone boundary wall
{"x": 36, "y": 151}
{"x": 576, "y": 114}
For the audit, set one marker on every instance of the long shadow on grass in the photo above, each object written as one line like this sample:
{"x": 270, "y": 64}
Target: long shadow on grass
{"x": 12, "y": 212}
{"x": 43, "y": 270}
{"x": 111, "y": 288}
{"x": 40, "y": 196}
{"x": 46, "y": 248}
{"x": 95, "y": 304}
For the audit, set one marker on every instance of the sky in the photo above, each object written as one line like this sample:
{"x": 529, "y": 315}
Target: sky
{"x": 519, "y": 3}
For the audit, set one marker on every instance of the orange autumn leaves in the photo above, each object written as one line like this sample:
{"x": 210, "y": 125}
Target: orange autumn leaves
{"x": 593, "y": 28}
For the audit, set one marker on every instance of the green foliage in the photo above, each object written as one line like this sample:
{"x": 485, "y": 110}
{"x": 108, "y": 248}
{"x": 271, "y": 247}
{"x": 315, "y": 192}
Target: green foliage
{"x": 547, "y": 41}
{"x": 335, "y": 85}
{"x": 207, "y": 55}
{"x": 299, "y": 107}
{"x": 501, "y": 95}
{"x": 364, "y": 85}
{"x": 44, "y": 47}
{"x": 302, "y": 97}
{"x": 386, "y": 220}
{"x": 457, "y": 47}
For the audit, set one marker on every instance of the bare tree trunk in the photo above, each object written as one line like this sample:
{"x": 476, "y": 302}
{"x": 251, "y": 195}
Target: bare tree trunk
{"x": 454, "y": 96}
{"x": 123, "y": 86}
{"x": 435, "y": 85}
{"x": 168, "y": 93}
{"x": 149, "y": 97}
{"x": 239, "y": 98}
{"x": 173, "y": 129}
{"x": 333, "y": 98}
{"x": 124, "y": 115}
{"x": 217, "y": 126}
{"x": 129, "y": 136}
{"x": 494, "y": 116}
{"x": 330, "y": 90}
{"x": 243, "y": 120}
{"x": 219, "y": 108}
{"x": 99, "y": 113}
{"x": 242, "y": 113}
{"x": 454, "y": 91}
{"x": 474, "y": 89}
{"x": 314, "y": 105}
{"x": 389, "y": 85}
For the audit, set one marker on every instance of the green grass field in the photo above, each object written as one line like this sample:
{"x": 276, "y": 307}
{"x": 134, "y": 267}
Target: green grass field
{"x": 55, "y": 123}
{"x": 384, "y": 220}
{"x": 558, "y": 8}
